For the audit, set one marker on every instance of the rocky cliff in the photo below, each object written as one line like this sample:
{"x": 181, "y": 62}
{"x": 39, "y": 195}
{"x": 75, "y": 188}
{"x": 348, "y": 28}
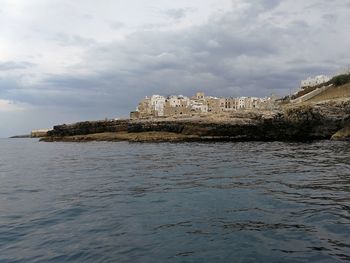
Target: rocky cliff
{"x": 88, "y": 127}
{"x": 342, "y": 135}
{"x": 294, "y": 123}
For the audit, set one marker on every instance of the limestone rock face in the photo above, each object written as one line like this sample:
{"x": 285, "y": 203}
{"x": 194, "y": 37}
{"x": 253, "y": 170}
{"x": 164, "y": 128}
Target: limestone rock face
{"x": 89, "y": 127}
{"x": 296, "y": 123}
{"x": 319, "y": 121}
{"x": 342, "y": 135}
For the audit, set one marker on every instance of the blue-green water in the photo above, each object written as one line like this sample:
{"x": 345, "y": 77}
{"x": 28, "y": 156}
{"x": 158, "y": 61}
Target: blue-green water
{"x": 184, "y": 202}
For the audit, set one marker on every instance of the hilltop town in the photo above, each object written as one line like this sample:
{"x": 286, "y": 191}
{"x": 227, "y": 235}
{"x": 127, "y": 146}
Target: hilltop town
{"x": 157, "y": 106}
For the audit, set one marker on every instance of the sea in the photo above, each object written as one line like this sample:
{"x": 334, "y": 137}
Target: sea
{"x": 174, "y": 202}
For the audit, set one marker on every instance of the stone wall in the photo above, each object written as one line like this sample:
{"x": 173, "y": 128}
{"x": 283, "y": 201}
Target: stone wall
{"x": 310, "y": 95}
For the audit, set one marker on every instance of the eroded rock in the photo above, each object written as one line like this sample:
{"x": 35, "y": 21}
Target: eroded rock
{"x": 342, "y": 135}
{"x": 296, "y": 123}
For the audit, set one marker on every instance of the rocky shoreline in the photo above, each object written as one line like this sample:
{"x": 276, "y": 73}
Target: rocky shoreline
{"x": 291, "y": 123}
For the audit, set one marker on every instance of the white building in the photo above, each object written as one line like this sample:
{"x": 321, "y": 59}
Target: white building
{"x": 241, "y": 102}
{"x": 157, "y": 103}
{"x": 179, "y": 105}
{"x": 178, "y": 101}
{"x": 311, "y": 82}
{"x": 199, "y": 107}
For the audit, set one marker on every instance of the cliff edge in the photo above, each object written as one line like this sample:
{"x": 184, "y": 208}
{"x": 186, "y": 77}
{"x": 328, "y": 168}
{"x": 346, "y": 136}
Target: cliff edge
{"x": 292, "y": 123}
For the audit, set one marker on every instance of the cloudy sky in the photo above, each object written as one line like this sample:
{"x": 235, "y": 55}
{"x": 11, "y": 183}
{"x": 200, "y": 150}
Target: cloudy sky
{"x": 63, "y": 61}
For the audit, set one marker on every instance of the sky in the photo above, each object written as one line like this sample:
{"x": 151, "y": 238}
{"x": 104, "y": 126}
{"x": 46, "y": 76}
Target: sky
{"x": 63, "y": 61}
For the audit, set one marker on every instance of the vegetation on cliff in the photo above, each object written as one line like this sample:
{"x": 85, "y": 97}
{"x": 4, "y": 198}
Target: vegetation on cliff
{"x": 336, "y": 81}
{"x": 340, "y": 80}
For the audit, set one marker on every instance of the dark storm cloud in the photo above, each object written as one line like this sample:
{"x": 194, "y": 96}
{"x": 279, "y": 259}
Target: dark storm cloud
{"x": 168, "y": 63}
{"x": 230, "y": 55}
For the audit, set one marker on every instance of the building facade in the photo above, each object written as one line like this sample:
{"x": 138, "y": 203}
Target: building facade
{"x": 311, "y": 82}
{"x": 157, "y": 104}
{"x": 179, "y": 105}
{"x": 176, "y": 106}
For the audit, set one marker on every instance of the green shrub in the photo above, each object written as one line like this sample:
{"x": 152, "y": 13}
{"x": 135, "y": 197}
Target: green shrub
{"x": 340, "y": 79}
{"x": 335, "y": 81}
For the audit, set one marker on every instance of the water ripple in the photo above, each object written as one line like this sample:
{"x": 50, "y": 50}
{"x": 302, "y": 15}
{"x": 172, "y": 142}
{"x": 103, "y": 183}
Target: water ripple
{"x": 182, "y": 202}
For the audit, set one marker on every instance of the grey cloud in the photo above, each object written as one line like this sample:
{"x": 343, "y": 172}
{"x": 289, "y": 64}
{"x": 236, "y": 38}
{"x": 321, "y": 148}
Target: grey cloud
{"x": 176, "y": 62}
{"x": 176, "y": 13}
{"x": 209, "y": 56}
{"x": 227, "y": 56}
{"x": 300, "y": 24}
{"x": 310, "y": 69}
{"x": 116, "y": 25}
{"x": 268, "y": 4}
{"x": 12, "y": 65}
{"x": 329, "y": 17}
{"x": 9, "y": 88}
{"x": 324, "y": 4}
{"x": 297, "y": 61}
{"x": 72, "y": 40}
{"x": 88, "y": 17}
{"x": 261, "y": 6}
{"x": 155, "y": 26}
